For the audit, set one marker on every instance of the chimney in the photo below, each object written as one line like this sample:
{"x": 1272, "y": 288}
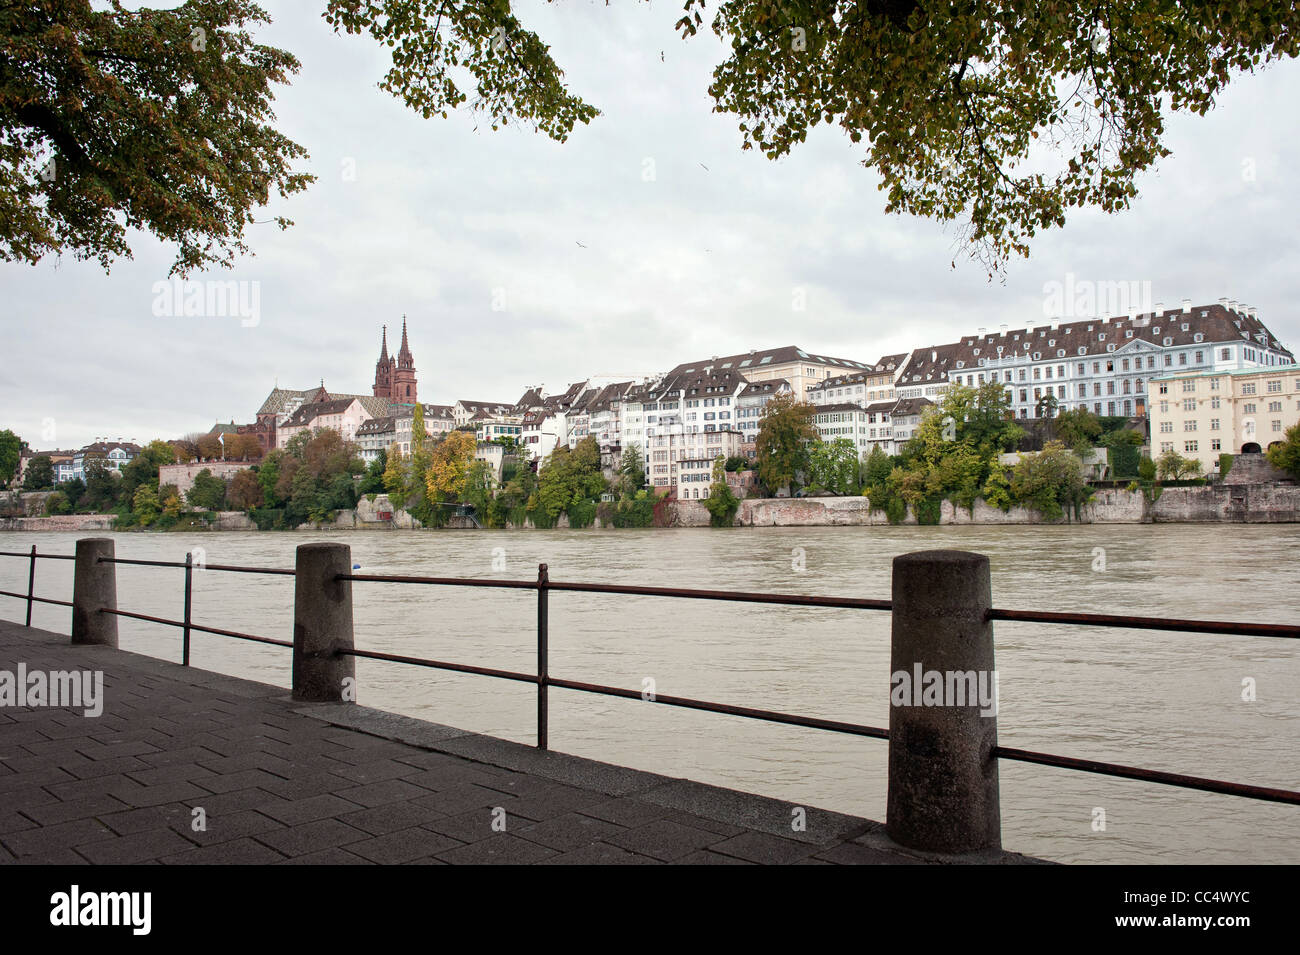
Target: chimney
{"x": 1160, "y": 309}
{"x": 934, "y": 356}
{"x": 1223, "y": 302}
{"x": 1004, "y": 329}
{"x": 982, "y": 331}
{"x": 1232, "y": 304}
{"x": 1187, "y": 305}
{"x": 1252, "y": 311}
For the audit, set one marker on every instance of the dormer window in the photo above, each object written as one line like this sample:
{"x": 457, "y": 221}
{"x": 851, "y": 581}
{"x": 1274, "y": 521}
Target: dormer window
{"x": 1037, "y": 355}
{"x": 1060, "y": 353}
{"x": 1168, "y": 342}
{"x": 1186, "y": 326}
{"x": 1083, "y": 351}
{"x": 1110, "y": 347}
{"x": 1156, "y": 330}
{"x": 1128, "y": 333}
{"x": 1101, "y": 337}
{"x": 1198, "y": 337}
{"x": 1051, "y": 343}
{"x": 977, "y": 351}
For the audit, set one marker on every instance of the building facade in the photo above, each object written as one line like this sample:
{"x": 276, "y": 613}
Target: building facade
{"x": 1100, "y": 365}
{"x": 1201, "y": 415}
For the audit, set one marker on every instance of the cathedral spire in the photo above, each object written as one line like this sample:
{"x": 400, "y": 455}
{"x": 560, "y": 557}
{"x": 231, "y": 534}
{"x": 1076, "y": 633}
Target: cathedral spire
{"x": 405, "y": 351}
{"x": 383, "y": 349}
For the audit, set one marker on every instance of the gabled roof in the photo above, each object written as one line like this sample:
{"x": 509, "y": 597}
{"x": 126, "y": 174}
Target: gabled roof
{"x": 769, "y": 387}
{"x": 309, "y": 413}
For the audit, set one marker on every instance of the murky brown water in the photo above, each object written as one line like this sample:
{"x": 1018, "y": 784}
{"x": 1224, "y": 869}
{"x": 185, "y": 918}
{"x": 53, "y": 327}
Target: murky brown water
{"x": 1162, "y": 700}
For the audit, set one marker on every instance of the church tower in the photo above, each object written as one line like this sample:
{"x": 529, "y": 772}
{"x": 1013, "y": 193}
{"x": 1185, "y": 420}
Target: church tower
{"x": 404, "y": 388}
{"x": 384, "y": 370}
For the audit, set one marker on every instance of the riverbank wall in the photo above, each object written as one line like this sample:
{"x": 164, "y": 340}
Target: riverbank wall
{"x": 1210, "y": 504}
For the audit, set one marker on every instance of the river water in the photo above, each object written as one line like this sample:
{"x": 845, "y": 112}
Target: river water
{"x": 1168, "y": 701}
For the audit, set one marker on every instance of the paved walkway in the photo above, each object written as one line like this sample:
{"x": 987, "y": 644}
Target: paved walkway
{"x": 278, "y": 782}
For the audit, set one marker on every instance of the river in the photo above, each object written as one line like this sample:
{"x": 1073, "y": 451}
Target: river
{"x": 1168, "y": 701}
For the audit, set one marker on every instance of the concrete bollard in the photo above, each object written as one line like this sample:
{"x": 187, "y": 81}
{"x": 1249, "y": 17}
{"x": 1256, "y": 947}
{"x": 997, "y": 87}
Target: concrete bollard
{"x": 943, "y": 779}
{"x": 322, "y": 625}
{"x": 94, "y": 587}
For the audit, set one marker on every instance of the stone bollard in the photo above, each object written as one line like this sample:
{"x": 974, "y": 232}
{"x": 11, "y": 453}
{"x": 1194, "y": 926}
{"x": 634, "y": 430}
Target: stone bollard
{"x": 943, "y": 779}
{"x": 94, "y": 586}
{"x": 322, "y": 625}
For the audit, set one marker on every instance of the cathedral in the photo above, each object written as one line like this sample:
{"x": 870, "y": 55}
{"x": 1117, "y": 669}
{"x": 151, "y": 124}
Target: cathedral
{"x": 395, "y": 377}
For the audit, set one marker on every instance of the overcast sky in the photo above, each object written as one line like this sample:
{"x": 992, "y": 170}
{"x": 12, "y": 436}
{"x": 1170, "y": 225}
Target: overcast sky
{"x": 442, "y": 221}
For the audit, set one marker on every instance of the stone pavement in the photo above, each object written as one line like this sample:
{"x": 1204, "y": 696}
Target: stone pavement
{"x": 280, "y": 782}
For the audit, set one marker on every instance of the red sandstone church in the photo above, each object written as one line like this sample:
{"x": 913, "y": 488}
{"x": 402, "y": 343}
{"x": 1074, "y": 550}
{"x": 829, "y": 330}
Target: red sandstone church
{"x": 395, "y": 390}
{"x": 395, "y": 377}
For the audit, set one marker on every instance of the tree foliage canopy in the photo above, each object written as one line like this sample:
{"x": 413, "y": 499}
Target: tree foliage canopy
{"x": 998, "y": 116}
{"x": 154, "y": 119}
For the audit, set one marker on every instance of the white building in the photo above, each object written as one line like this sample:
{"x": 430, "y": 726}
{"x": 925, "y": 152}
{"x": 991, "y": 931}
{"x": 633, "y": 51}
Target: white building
{"x": 1101, "y": 365}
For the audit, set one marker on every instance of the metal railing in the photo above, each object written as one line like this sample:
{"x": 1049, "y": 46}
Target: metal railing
{"x": 543, "y": 680}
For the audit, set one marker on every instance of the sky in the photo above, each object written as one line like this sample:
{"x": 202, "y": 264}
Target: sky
{"x": 519, "y": 261}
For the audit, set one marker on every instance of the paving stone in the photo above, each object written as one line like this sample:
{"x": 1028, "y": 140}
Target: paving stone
{"x": 87, "y": 808}
{"x": 238, "y": 852}
{"x": 297, "y": 812}
{"x": 63, "y": 836}
{"x": 281, "y": 782}
{"x": 600, "y": 853}
{"x": 389, "y": 817}
{"x": 327, "y": 857}
{"x": 376, "y": 794}
{"x": 501, "y": 849}
{"x": 849, "y": 853}
{"x": 664, "y": 839}
{"x": 125, "y": 850}
{"x": 708, "y": 857}
{"x": 311, "y": 837}
{"x": 759, "y": 847}
{"x": 226, "y": 827}
{"x": 403, "y": 846}
{"x": 568, "y": 832}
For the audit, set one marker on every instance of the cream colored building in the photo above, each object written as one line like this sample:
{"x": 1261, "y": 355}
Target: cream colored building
{"x": 1202, "y": 415}
{"x": 666, "y": 453}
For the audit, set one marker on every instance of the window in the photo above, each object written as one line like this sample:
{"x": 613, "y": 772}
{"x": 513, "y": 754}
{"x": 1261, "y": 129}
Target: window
{"x": 1166, "y": 427}
{"x": 1214, "y": 424}
{"x": 1189, "y": 385}
{"x": 1275, "y": 406}
{"x": 1216, "y": 444}
{"x": 1189, "y": 425}
{"x": 1214, "y": 402}
{"x": 1166, "y": 445}
{"x": 1225, "y": 354}
{"x": 1277, "y": 425}
{"x": 1249, "y": 407}
{"x": 1274, "y": 387}
{"x": 1164, "y": 387}
{"x": 1248, "y": 388}
{"x": 1190, "y": 446}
